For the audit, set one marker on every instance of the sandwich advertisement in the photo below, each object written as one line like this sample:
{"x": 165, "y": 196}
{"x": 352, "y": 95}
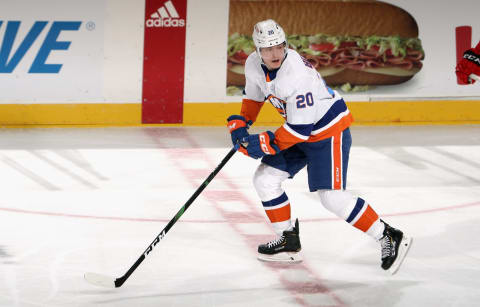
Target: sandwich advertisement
{"x": 367, "y": 50}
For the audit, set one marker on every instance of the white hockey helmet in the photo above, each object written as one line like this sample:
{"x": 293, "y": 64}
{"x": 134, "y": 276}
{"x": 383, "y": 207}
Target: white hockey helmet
{"x": 268, "y": 33}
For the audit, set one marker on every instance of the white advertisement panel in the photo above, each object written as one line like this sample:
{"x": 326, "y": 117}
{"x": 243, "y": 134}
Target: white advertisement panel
{"x": 51, "y": 51}
{"x": 437, "y": 21}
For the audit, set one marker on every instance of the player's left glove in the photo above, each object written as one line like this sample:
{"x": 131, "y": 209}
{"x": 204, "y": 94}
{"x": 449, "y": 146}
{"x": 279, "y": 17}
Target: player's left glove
{"x": 238, "y": 126}
{"x": 260, "y": 145}
{"x": 470, "y": 64}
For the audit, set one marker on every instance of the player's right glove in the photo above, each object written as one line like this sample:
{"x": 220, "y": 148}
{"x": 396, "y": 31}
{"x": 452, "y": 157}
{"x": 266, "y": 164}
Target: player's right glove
{"x": 470, "y": 64}
{"x": 238, "y": 126}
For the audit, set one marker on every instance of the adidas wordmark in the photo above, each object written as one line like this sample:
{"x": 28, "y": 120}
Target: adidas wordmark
{"x": 165, "y": 16}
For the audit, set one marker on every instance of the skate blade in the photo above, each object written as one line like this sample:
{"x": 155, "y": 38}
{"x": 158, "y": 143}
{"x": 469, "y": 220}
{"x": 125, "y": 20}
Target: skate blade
{"x": 286, "y": 257}
{"x": 402, "y": 252}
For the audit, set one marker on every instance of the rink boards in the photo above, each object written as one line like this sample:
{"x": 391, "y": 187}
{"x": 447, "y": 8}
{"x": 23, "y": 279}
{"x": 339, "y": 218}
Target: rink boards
{"x": 214, "y": 114}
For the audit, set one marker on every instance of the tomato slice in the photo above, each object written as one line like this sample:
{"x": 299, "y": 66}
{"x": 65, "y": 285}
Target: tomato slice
{"x": 322, "y": 47}
{"x": 240, "y": 55}
{"x": 348, "y": 44}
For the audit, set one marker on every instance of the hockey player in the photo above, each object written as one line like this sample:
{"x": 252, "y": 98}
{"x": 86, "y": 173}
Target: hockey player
{"x": 315, "y": 134}
{"x": 470, "y": 64}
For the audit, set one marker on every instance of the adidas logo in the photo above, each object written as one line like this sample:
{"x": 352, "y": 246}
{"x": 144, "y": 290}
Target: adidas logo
{"x": 165, "y": 16}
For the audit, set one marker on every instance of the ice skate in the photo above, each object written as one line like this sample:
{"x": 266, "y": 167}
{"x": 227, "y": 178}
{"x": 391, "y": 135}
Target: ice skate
{"x": 395, "y": 246}
{"x": 284, "y": 249}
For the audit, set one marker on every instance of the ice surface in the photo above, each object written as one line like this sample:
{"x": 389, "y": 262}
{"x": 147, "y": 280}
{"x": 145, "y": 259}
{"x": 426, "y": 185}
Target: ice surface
{"x": 79, "y": 200}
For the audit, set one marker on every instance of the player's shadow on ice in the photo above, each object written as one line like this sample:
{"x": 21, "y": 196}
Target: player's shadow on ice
{"x": 456, "y": 240}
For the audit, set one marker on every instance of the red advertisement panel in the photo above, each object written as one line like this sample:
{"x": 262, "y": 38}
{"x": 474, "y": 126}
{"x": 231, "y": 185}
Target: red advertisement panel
{"x": 164, "y": 61}
{"x": 463, "y": 40}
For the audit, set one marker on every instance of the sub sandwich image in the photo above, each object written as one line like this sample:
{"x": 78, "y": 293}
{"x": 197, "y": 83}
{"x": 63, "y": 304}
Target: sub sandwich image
{"x": 355, "y": 42}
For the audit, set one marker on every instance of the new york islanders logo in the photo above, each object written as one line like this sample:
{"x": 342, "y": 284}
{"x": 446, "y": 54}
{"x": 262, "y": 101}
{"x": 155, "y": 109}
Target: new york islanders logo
{"x": 279, "y": 104}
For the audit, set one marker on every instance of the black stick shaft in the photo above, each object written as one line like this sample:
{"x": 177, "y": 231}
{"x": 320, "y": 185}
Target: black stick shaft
{"x": 119, "y": 281}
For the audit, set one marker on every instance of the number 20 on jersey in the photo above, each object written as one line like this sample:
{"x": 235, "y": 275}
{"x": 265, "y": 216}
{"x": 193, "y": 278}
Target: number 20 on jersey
{"x": 304, "y": 100}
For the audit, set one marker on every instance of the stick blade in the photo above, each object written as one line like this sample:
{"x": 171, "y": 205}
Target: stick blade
{"x": 100, "y": 280}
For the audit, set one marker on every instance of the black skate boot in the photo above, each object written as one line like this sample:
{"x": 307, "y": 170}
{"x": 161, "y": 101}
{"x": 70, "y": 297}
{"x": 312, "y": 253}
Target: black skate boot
{"x": 395, "y": 246}
{"x": 284, "y": 249}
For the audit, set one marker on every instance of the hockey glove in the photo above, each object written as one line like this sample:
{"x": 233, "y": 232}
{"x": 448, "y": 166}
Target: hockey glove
{"x": 238, "y": 128}
{"x": 260, "y": 145}
{"x": 470, "y": 64}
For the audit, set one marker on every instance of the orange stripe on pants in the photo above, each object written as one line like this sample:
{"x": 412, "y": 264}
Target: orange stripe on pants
{"x": 337, "y": 161}
{"x": 367, "y": 219}
{"x": 279, "y": 215}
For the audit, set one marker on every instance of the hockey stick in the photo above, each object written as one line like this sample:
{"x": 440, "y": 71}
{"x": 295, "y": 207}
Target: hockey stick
{"x": 106, "y": 281}
{"x": 473, "y": 76}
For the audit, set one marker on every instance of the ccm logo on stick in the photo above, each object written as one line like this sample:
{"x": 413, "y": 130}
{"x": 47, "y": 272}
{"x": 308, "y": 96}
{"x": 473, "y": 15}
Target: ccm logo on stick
{"x": 9, "y": 61}
{"x": 165, "y": 16}
{"x": 155, "y": 242}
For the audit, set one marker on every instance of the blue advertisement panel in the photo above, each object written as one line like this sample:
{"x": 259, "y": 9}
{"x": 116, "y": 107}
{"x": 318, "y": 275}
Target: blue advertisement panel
{"x": 51, "y": 52}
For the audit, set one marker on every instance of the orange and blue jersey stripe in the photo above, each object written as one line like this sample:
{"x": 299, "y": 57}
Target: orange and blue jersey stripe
{"x": 337, "y": 119}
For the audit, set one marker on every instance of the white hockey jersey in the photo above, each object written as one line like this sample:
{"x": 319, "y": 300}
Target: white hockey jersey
{"x": 312, "y": 110}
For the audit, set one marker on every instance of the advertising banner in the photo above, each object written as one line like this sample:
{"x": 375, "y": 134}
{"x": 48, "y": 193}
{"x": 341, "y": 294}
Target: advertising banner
{"x": 51, "y": 52}
{"x": 164, "y": 61}
{"x": 367, "y": 50}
